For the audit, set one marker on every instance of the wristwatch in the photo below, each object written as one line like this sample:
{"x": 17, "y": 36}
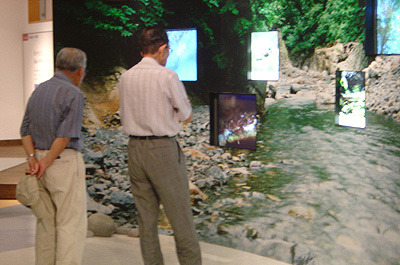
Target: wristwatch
{"x": 30, "y": 155}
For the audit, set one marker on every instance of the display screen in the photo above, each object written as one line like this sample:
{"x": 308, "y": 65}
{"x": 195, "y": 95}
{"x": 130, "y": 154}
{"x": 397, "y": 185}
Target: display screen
{"x": 382, "y": 27}
{"x": 350, "y": 99}
{"x": 183, "y": 53}
{"x": 264, "y": 56}
{"x": 233, "y": 120}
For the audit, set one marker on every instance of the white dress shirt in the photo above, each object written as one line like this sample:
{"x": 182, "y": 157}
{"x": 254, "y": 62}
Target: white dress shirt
{"x": 152, "y": 100}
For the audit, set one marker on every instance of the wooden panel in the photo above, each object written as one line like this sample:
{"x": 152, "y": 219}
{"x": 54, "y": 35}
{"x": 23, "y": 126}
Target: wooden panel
{"x": 34, "y": 10}
{"x": 7, "y": 191}
{"x": 10, "y": 142}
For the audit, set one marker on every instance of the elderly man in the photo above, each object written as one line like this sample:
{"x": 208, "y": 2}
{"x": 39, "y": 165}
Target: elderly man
{"x": 153, "y": 103}
{"x": 51, "y": 136}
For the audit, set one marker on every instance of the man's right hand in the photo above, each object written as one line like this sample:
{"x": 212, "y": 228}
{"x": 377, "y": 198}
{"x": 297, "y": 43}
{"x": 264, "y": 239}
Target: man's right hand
{"x": 33, "y": 166}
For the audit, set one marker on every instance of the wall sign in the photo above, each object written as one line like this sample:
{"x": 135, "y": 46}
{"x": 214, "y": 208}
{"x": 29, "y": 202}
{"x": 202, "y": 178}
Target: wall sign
{"x": 38, "y": 60}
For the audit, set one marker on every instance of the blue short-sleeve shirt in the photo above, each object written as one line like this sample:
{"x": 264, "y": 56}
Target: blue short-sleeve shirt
{"x": 54, "y": 110}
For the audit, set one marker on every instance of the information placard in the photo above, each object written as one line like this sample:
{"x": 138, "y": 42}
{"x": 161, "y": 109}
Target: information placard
{"x": 38, "y": 60}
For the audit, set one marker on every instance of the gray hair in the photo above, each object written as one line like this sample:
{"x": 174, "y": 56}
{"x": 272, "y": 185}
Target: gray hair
{"x": 70, "y": 59}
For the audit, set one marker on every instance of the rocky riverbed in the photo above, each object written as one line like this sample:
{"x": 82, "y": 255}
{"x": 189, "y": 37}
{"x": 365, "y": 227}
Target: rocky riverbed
{"x": 294, "y": 206}
{"x": 216, "y": 174}
{"x": 382, "y": 84}
{"x": 209, "y": 167}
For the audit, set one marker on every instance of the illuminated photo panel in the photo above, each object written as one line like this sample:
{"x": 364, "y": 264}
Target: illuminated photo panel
{"x": 388, "y": 27}
{"x": 350, "y": 99}
{"x": 183, "y": 53}
{"x": 264, "y": 56}
{"x": 382, "y": 31}
{"x": 236, "y": 120}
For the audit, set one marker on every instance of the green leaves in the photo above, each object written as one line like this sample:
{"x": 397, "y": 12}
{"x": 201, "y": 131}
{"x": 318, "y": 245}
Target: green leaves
{"x": 121, "y": 19}
{"x": 306, "y": 25}
{"x": 109, "y": 18}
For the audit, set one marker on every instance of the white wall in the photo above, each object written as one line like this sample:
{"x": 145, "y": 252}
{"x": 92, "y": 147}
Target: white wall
{"x": 13, "y": 24}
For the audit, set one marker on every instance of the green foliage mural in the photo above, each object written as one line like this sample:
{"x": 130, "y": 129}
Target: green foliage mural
{"x": 107, "y": 30}
{"x": 306, "y": 25}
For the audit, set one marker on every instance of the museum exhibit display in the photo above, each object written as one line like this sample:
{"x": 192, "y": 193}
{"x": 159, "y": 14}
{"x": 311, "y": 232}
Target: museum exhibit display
{"x": 382, "y": 27}
{"x": 233, "y": 120}
{"x": 264, "y": 56}
{"x": 350, "y": 99}
{"x": 183, "y": 53}
{"x": 271, "y": 180}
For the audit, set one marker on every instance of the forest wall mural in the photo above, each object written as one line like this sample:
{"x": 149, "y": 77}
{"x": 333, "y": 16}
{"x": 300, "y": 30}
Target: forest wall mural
{"x": 108, "y": 30}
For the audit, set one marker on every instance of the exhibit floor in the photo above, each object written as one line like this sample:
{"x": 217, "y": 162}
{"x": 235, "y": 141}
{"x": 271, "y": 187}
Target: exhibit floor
{"x": 17, "y": 226}
{"x": 17, "y": 231}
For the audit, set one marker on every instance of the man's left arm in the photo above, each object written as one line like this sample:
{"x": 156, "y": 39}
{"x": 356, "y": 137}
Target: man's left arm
{"x": 27, "y": 143}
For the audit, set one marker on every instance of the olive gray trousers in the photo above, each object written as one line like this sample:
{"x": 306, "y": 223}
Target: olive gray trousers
{"x": 158, "y": 175}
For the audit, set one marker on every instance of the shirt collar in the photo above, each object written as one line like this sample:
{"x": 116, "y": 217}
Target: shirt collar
{"x": 62, "y": 76}
{"x": 148, "y": 59}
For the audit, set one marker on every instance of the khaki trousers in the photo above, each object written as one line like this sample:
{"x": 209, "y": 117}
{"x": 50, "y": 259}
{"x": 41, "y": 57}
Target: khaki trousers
{"x": 61, "y": 232}
{"x": 158, "y": 174}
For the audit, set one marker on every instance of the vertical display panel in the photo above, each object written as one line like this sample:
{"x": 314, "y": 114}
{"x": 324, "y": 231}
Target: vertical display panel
{"x": 183, "y": 53}
{"x": 382, "y": 27}
{"x": 233, "y": 120}
{"x": 264, "y": 56}
{"x": 350, "y": 99}
{"x": 388, "y": 27}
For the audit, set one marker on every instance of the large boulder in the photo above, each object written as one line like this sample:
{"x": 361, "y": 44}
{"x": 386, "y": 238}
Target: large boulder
{"x": 101, "y": 225}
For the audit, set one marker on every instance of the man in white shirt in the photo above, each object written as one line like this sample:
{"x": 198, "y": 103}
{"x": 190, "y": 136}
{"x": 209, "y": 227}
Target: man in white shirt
{"x": 153, "y": 102}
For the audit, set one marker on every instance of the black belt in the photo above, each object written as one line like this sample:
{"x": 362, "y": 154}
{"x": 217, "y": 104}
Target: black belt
{"x": 150, "y": 137}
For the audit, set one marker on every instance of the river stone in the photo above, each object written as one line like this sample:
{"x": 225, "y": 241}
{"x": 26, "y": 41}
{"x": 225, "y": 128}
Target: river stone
{"x": 273, "y": 198}
{"x": 90, "y": 234}
{"x": 226, "y": 156}
{"x": 255, "y": 165}
{"x": 134, "y": 232}
{"x": 325, "y": 98}
{"x": 240, "y": 170}
{"x": 269, "y": 101}
{"x": 196, "y": 154}
{"x": 302, "y": 211}
{"x": 120, "y": 199}
{"x": 348, "y": 243}
{"x": 203, "y": 183}
{"x": 258, "y": 195}
{"x": 94, "y": 157}
{"x": 95, "y": 207}
{"x": 278, "y": 249}
{"x": 217, "y": 173}
{"x": 101, "y": 225}
{"x": 122, "y": 230}
{"x": 251, "y": 233}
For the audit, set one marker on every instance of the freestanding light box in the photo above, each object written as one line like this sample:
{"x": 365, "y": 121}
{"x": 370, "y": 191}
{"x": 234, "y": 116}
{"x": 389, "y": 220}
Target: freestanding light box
{"x": 233, "y": 120}
{"x": 350, "y": 99}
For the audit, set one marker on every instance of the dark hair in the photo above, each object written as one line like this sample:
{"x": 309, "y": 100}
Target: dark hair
{"x": 151, "y": 39}
{"x": 70, "y": 59}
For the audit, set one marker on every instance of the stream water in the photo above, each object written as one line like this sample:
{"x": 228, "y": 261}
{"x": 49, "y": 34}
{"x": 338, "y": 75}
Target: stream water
{"x": 333, "y": 193}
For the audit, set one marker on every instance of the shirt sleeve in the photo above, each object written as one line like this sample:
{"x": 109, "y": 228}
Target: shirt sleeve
{"x": 24, "y": 130}
{"x": 71, "y": 124}
{"x": 179, "y": 98}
